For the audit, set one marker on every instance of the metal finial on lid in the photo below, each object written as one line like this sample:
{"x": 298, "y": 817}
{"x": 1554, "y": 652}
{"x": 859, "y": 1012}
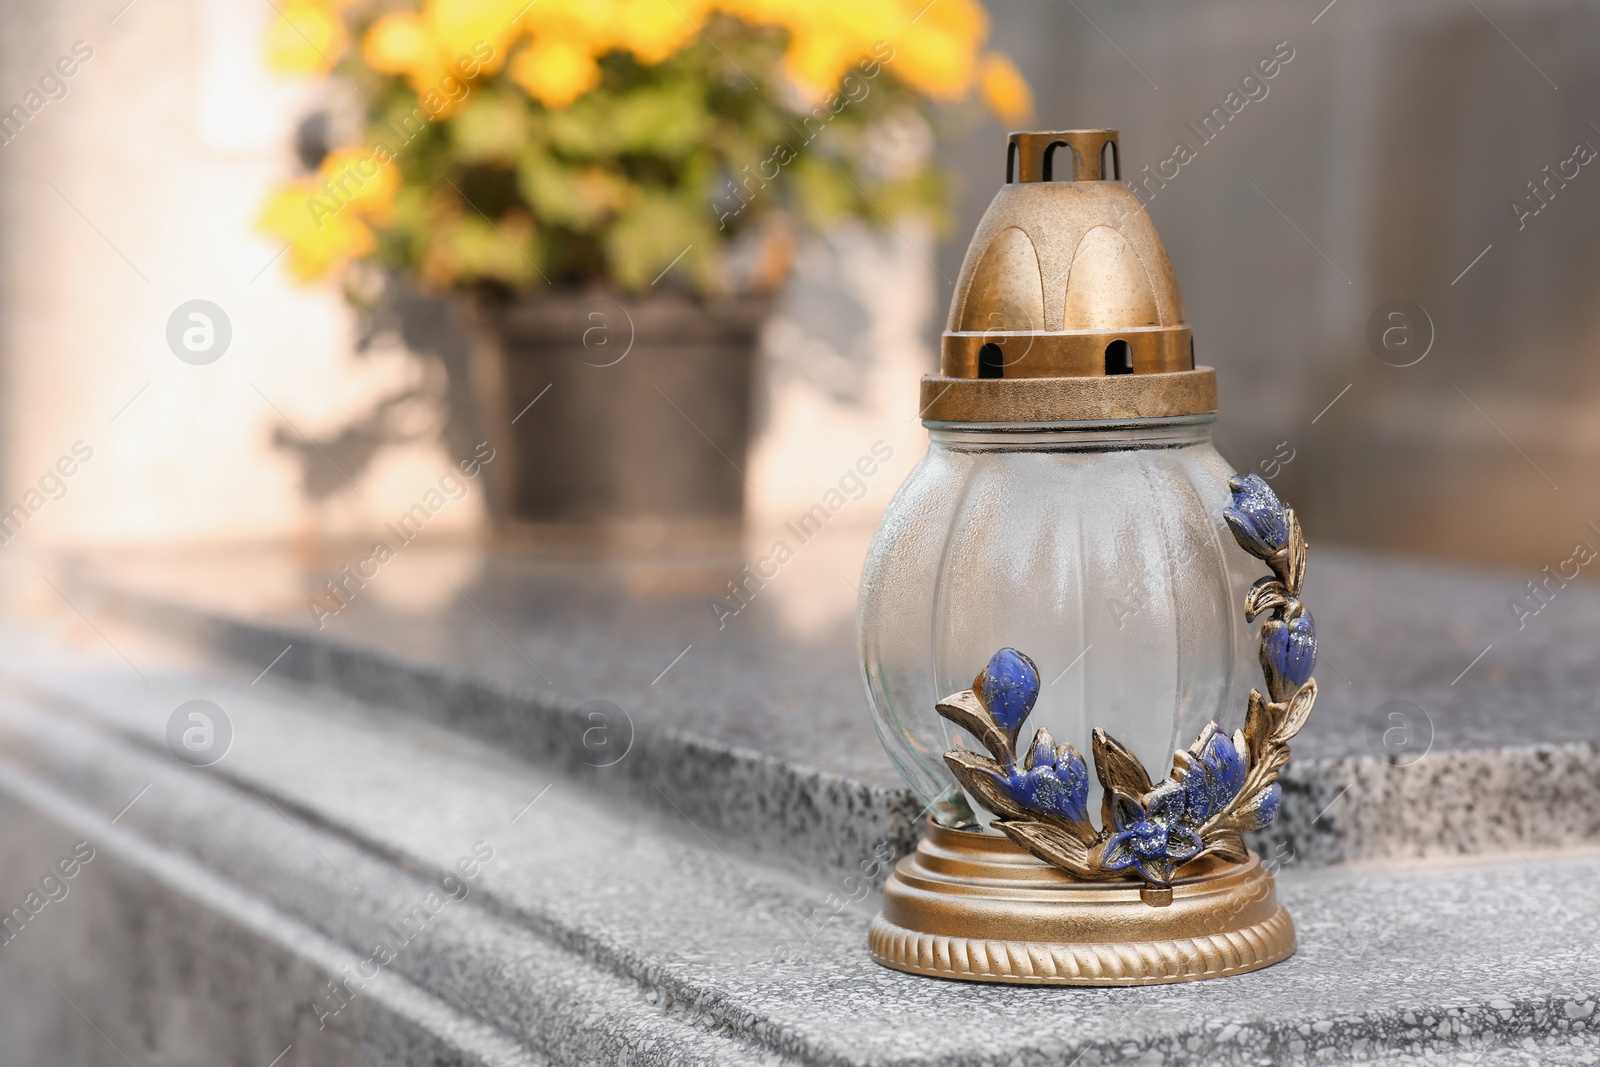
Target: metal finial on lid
{"x": 1066, "y": 155}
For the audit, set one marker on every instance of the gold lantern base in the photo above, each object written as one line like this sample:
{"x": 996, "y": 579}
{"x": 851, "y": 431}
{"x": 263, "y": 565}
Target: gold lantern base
{"x": 979, "y": 908}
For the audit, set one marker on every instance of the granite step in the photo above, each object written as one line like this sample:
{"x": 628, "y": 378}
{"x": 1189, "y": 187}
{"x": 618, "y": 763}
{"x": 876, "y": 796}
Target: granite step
{"x": 760, "y": 731}
{"x": 601, "y": 930}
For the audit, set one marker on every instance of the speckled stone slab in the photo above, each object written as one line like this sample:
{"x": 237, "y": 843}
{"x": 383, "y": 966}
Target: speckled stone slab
{"x": 1451, "y": 720}
{"x": 603, "y": 931}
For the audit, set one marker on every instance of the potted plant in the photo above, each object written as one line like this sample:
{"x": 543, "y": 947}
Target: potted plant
{"x": 618, "y": 184}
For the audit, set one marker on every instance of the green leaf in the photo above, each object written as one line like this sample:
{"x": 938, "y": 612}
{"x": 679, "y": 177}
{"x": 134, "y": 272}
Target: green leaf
{"x": 654, "y": 232}
{"x": 622, "y": 181}
{"x": 490, "y": 127}
{"x": 662, "y": 120}
{"x": 585, "y": 130}
{"x": 823, "y": 191}
{"x": 502, "y": 253}
{"x": 560, "y": 194}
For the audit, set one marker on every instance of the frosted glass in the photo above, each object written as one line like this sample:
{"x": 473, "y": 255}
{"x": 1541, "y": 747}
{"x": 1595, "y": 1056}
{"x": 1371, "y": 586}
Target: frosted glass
{"x": 1099, "y": 551}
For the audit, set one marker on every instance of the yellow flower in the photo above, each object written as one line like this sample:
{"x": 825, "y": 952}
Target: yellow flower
{"x": 320, "y": 240}
{"x": 435, "y": 61}
{"x": 555, "y": 72}
{"x": 937, "y": 52}
{"x": 935, "y": 46}
{"x": 360, "y": 182}
{"x": 398, "y": 44}
{"x": 591, "y": 20}
{"x": 461, "y": 29}
{"x": 938, "y": 64}
{"x": 1004, "y": 90}
{"x": 964, "y": 20}
{"x": 655, "y": 30}
{"x": 816, "y": 61}
{"x": 306, "y": 37}
{"x": 326, "y": 218}
{"x": 782, "y": 12}
{"x": 552, "y": 49}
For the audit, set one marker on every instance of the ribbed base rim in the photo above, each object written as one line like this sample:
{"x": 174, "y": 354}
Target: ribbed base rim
{"x": 1119, "y": 964}
{"x": 981, "y": 908}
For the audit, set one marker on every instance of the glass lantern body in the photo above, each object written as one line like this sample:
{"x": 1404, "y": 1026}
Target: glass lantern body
{"x": 1099, "y": 550}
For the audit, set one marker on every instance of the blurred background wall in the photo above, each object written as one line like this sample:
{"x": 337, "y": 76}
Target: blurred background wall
{"x": 1382, "y": 164}
{"x": 134, "y": 192}
{"x": 1383, "y": 161}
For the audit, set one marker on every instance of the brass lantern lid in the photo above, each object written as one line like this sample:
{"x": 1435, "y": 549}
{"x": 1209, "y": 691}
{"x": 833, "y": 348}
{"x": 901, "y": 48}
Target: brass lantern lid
{"x": 1066, "y": 308}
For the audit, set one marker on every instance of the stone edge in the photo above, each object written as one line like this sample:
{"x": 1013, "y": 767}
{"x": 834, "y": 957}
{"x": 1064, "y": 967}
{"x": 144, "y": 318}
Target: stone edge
{"x": 229, "y": 857}
{"x": 1334, "y": 810}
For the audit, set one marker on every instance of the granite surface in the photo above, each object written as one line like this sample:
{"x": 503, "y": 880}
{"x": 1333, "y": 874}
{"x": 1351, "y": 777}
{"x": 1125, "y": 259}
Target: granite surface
{"x": 575, "y": 629}
{"x": 151, "y": 959}
{"x": 1447, "y": 723}
{"x": 604, "y": 931}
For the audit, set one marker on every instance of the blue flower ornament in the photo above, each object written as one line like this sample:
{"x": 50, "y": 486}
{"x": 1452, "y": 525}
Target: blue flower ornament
{"x": 1258, "y": 520}
{"x": 1220, "y": 788}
